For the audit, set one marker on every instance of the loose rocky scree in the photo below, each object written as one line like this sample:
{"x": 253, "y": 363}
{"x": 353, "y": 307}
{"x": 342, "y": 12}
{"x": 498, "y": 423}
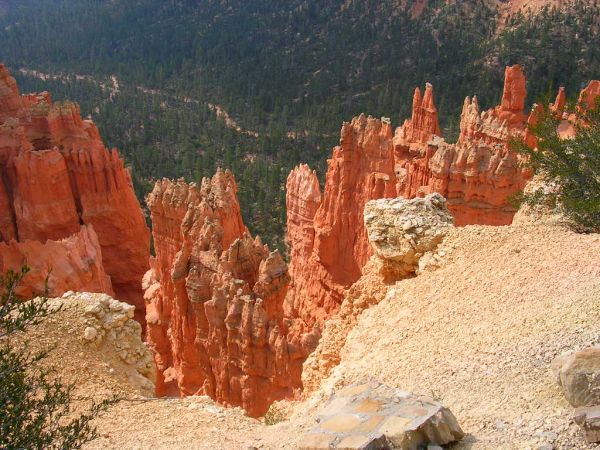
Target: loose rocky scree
{"x": 110, "y": 324}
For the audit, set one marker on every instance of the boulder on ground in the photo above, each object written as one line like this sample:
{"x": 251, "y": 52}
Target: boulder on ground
{"x": 578, "y": 374}
{"x": 401, "y": 231}
{"x": 376, "y": 417}
{"x": 111, "y": 328}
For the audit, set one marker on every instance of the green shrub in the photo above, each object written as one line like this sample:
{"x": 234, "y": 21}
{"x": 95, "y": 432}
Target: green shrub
{"x": 274, "y": 415}
{"x": 35, "y": 407}
{"x": 571, "y": 166}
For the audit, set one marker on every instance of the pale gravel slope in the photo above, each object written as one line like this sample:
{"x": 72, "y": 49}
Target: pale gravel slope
{"x": 480, "y": 332}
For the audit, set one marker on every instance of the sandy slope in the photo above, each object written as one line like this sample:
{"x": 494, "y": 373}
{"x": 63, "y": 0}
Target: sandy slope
{"x": 480, "y": 332}
{"x": 97, "y": 373}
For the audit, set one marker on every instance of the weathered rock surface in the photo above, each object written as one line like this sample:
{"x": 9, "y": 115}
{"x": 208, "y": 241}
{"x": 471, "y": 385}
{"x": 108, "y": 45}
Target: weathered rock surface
{"x": 225, "y": 316}
{"x": 95, "y": 369}
{"x": 512, "y": 106}
{"x": 487, "y": 322}
{"x": 329, "y": 245}
{"x": 215, "y": 300}
{"x": 73, "y": 263}
{"x": 402, "y": 231}
{"x": 44, "y": 203}
{"x": 578, "y": 374}
{"x": 215, "y": 297}
{"x": 110, "y": 327}
{"x": 10, "y": 99}
{"x": 558, "y": 107}
{"x": 589, "y": 96}
{"x": 403, "y": 234}
{"x": 56, "y": 176}
{"x": 479, "y": 173}
{"x": 370, "y": 289}
{"x": 333, "y": 249}
{"x": 542, "y": 214}
{"x": 424, "y": 123}
{"x": 589, "y": 421}
{"x": 373, "y": 417}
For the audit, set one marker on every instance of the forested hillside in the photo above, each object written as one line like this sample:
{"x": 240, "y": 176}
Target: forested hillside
{"x": 183, "y": 86}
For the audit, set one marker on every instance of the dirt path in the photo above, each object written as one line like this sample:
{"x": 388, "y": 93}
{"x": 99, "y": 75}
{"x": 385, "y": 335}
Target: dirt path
{"x": 112, "y": 85}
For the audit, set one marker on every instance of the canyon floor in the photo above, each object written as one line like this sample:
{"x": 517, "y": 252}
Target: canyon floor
{"x": 479, "y": 334}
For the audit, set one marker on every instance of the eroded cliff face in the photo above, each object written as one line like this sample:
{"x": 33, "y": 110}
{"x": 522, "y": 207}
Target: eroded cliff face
{"x": 328, "y": 241}
{"x": 76, "y": 263}
{"x": 326, "y": 235}
{"x": 477, "y": 175}
{"x": 215, "y": 299}
{"x": 57, "y": 175}
{"x": 404, "y": 235}
{"x": 424, "y": 123}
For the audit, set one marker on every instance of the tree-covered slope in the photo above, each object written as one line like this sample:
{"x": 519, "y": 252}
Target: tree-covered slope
{"x": 287, "y": 73}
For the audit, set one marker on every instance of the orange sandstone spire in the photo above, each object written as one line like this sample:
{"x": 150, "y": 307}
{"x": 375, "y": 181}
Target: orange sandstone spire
{"x": 558, "y": 107}
{"x": 424, "y": 123}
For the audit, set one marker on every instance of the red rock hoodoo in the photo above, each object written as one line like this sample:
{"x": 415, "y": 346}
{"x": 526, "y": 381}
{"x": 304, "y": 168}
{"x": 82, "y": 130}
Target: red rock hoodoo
{"x": 477, "y": 174}
{"x": 215, "y": 300}
{"x": 326, "y": 234}
{"x": 589, "y": 96}
{"x": 424, "y": 123}
{"x": 328, "y": 241}
{"x": 588, "y": 99}
{"x": 57, "y": 175}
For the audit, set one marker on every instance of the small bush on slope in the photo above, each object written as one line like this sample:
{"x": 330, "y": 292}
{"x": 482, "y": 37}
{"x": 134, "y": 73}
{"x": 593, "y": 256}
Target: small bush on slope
{"x": 572, "y": 165}
{"x": 35, "y": 407}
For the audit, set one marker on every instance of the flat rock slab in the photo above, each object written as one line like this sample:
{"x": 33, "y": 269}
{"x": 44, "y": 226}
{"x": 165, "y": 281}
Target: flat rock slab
{"x": 376, "y": 417}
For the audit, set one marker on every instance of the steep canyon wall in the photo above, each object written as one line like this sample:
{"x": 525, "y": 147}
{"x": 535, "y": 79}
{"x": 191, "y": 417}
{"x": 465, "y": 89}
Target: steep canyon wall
{"x": 63, "y": 193}
{"x": 215, "y": 299}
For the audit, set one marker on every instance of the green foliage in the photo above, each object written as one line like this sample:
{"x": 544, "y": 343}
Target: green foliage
{"x": 274, "y": 415}
{"x": 300, "y": 66}
{"x": 16, "y": 315}
{"x": 36, "y": 406}
{"x": 571, "y": 166}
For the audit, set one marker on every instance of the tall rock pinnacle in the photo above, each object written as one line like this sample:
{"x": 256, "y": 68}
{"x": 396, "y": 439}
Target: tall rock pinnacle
{"x": 424, "y": 123}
